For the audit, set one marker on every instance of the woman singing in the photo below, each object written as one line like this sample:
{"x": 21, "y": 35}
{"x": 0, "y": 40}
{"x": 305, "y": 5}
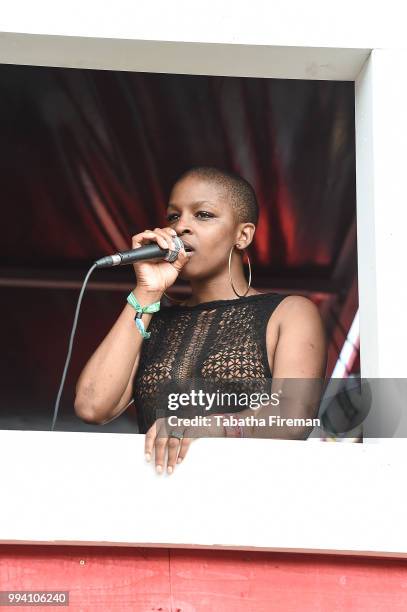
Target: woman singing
{"x": 225, "y": 331}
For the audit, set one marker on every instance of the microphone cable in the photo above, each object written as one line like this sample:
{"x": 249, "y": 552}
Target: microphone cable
{"x": 68, "y": 357}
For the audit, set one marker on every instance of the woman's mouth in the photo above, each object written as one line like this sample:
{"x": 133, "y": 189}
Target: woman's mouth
{"x": 188, "y": 248}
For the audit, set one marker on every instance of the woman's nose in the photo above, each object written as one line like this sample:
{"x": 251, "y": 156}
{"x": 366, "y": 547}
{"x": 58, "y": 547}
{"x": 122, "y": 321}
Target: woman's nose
{"x": 182, "y": 227}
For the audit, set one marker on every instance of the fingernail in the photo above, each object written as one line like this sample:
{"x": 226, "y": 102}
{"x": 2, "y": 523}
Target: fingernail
{"x": 159, "y": 468}
{"x": 148, "y": 456}
{"x": 169, "y": 469}
{"x": 179, "y": 459}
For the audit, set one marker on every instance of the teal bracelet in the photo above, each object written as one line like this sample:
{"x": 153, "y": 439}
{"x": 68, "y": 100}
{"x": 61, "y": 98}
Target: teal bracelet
{"x": 132, "y": 300}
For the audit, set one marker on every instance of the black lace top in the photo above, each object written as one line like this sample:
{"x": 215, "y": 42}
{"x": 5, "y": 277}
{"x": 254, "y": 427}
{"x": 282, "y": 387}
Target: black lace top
{"x": 219, "y": 343}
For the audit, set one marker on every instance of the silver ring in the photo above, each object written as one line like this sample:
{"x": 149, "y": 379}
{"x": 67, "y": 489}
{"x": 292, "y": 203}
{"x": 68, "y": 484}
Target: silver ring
{"x": 175, "y": 434}
{"x": 172, "y": 255}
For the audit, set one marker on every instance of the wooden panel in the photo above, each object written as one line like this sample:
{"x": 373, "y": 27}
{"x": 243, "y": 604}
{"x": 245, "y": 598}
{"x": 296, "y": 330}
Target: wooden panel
{"x": 179, "y": 580}
{"x": 97, "y": 578}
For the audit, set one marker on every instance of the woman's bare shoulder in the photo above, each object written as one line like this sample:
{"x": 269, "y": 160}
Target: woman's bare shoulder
{"x": 296, "y": 310}
{"x": 298, "y": 305}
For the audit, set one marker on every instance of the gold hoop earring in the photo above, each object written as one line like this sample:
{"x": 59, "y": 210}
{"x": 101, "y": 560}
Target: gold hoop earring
{"x": 230, "y": 275}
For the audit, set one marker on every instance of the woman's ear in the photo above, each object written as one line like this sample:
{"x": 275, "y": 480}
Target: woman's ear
{"x": 245, "y": 234}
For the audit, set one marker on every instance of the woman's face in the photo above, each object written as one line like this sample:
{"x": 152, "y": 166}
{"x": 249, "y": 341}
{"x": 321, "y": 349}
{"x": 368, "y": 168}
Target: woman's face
{"x": 205, "y": 221}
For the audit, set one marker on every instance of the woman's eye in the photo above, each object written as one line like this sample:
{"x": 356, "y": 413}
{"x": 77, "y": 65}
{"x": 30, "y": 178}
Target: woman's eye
{"x": 203, "y": 214}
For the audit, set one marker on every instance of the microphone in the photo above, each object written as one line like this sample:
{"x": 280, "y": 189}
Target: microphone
{"x": 148, "y": 251}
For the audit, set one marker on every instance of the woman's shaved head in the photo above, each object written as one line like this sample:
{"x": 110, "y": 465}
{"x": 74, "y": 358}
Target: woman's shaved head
{"x": 237, "y": 190}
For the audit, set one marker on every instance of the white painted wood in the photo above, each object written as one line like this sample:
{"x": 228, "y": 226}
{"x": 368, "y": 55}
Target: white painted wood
{"x": 381, "y": 137}
{"x": 181, "y": 57}
{"x": 59, "y": 487}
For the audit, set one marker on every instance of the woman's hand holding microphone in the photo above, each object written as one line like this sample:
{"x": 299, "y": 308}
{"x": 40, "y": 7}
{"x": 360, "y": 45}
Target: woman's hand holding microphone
{"x": 155, "y": 276}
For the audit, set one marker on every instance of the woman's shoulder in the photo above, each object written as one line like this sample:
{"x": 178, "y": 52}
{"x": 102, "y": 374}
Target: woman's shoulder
{"x": 298, "y": 304}
{"x": 297, "y": 308}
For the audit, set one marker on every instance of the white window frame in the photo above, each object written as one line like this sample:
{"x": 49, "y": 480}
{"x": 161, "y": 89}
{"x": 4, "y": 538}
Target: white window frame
{"x": 76, "y": 488}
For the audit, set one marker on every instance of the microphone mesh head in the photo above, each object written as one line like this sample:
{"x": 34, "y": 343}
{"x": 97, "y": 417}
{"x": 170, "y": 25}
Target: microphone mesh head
{"x": 172, "y": 255}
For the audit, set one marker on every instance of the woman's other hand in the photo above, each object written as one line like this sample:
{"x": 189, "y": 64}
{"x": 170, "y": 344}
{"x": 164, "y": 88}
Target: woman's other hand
{"x": 167, "y": 449}
{"x": 172, "y": 449}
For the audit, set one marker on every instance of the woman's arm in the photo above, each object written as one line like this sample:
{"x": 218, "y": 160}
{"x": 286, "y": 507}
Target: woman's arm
{"x": 104, "y": 388}
{"x": 301, "y": 347}
{"x": 105, "y": 385}
{"x": 299, "y": 365}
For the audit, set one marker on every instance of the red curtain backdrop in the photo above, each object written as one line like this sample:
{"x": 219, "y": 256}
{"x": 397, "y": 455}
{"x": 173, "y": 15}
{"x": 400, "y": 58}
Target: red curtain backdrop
{"x": 88, "y": 159}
